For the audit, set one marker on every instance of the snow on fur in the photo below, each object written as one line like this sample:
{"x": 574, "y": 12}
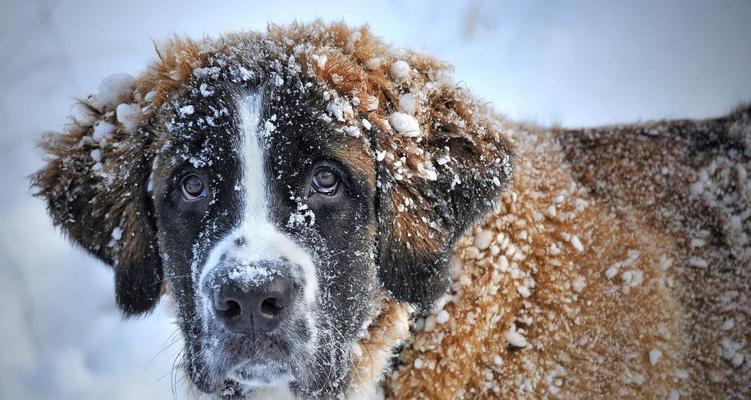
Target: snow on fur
{"x": 532, "y": 310}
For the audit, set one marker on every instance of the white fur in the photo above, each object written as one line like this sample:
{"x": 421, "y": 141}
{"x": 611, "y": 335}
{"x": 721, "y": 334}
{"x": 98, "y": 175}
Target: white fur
{"x": 263, "y": 240}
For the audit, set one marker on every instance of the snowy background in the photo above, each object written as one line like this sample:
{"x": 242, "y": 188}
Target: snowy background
{"x": 572, "y": 63}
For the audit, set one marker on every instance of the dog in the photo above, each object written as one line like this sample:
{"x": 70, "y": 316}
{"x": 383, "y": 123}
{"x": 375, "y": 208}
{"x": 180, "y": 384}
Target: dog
{"x": 335, "y": 218}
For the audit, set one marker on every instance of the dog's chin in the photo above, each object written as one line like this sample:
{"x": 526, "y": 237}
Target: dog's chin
{"x": 252, "y": 374}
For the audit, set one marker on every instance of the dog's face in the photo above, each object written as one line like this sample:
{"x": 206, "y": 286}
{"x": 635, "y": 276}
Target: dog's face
{"x": 266, "y": 189}
{"x": 265, "y": 221}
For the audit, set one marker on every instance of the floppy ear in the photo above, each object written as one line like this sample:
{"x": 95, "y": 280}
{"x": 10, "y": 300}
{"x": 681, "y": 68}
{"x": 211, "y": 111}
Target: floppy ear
{"x": 460, "y": 166}
{"x": 95, "y": 186}
{"x": 442, "y": 158}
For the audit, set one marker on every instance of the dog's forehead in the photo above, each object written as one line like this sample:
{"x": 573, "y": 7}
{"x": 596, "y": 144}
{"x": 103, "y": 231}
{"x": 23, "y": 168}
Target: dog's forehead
{"x": 203, "y": 121}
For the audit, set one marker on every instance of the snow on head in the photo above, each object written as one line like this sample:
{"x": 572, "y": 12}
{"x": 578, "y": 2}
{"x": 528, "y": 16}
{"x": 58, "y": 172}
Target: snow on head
{"x": 373, "y": 63}
{"x": 400, "y": 70}
{"x": 115, "y": 89}
{"x": 320, "y": 60}
{"x": 129, "y": 116}
{"x": 102, "y": 131}
{"x": 206, "y": 90}
{"x": 186, "y": 110}
{"x": 408, "y": 103}
{"x": 405, "y": 124}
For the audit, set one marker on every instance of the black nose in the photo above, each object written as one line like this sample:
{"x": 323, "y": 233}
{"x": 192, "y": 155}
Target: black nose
{"x": 254, "y": 297}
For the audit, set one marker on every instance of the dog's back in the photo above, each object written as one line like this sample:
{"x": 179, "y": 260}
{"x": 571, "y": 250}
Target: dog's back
{"x": 616, "y": 266}
{"x": 690, "y": 181}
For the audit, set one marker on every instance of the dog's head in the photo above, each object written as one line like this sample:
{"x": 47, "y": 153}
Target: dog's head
{"x": 281, "y": 187}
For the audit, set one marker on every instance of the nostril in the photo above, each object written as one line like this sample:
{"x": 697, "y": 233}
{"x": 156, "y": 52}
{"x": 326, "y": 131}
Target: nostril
{"x": 252, "y": 305}
{"x": 270, "y": 307}
{"x": 229, "y": 309}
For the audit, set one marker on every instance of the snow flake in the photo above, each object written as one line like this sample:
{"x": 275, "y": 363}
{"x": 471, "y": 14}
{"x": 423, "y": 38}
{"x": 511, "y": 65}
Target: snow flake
{"x": 442, "y": 317}
{"x": 150, "y": 96}
{"x": 400, "y": 69}
{"x": 244, "y": 73}
{"x": 352, "y": 131}
{"x": 430, "y": 174}
{"x": 405, "y": 124}
{"x": 728, "y": 324}
{"x": 245, "y": 274}
{"x": 302, "y": 215}
{"x": 373, "y": 63}
{"x": 430, "y": 322}
{"x": 186, "y": 110}
{"x": 269, "y": 126}
{"x": 102, "y": 131}
{"x": 443, "y": 160}
{"x": 698, "y": 262}
{"x": 407, "y": 103}
{"x": 577, "y": 243}
{"x": 523, "y": 291}
{"x": 206, "y": 90}
{"x": 115, "y": 89}
{"x": 354, "y": 37}
{"x": 516, "y": 339}
{"x": 96, "y": 155}
{"x": 483, "y": 239}
{"x": 320, "y": 60}
{"x": 335, "y": 111}
{"x": 208, "y": 72}
{"x": 129, "y": 116}
{"x": 579, "y": 283}
{"x": 654, "y": 356}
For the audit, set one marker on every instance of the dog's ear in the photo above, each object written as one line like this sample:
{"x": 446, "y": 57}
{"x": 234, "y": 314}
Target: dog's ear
{"x": 436, "y": 188}
{"x": 441, "y": 158}
{"x": 95, "y": 186}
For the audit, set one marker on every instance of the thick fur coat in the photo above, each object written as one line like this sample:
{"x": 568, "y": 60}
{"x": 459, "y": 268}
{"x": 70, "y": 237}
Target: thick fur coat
{"x": 511, "y": 261}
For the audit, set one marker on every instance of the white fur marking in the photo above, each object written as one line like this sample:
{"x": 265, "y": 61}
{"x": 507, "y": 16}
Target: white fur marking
{"x": 263, "y": 240}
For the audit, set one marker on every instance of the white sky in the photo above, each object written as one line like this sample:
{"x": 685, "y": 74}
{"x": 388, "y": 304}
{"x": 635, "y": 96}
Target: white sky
{"x": 573, "y": 63}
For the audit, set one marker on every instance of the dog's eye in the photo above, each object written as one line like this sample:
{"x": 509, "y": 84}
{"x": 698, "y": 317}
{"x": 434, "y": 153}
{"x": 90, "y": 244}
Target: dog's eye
{"x": 325, "y": 181}
{"x": 193, "y": 187}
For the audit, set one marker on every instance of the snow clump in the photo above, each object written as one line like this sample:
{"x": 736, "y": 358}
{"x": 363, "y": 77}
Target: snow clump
{"x": 405, "y": 124}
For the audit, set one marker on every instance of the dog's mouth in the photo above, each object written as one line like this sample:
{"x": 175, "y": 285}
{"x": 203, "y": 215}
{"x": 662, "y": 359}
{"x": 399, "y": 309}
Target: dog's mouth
{"x": 258, "y": 374}
{"x": 248, "y": 362}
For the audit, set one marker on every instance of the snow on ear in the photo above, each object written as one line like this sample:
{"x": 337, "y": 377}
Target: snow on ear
{"x": 94, "y": 183}
{"x": 436, "y": 181}
{"x": 442, "y": 157}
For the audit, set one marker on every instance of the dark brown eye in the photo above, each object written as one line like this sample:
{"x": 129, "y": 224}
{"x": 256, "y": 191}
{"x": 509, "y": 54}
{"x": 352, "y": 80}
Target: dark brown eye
{"x": 193, "y": 187}
{"x": 325, "y": 181}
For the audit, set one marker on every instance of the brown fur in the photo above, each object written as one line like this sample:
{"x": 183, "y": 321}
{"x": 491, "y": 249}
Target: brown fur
{"x": 582, "y": 203}
{"x": 622, "y": 189}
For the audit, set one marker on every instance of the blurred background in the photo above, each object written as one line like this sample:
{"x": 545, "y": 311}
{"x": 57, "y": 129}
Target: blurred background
{"x": 573, "y": 63}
